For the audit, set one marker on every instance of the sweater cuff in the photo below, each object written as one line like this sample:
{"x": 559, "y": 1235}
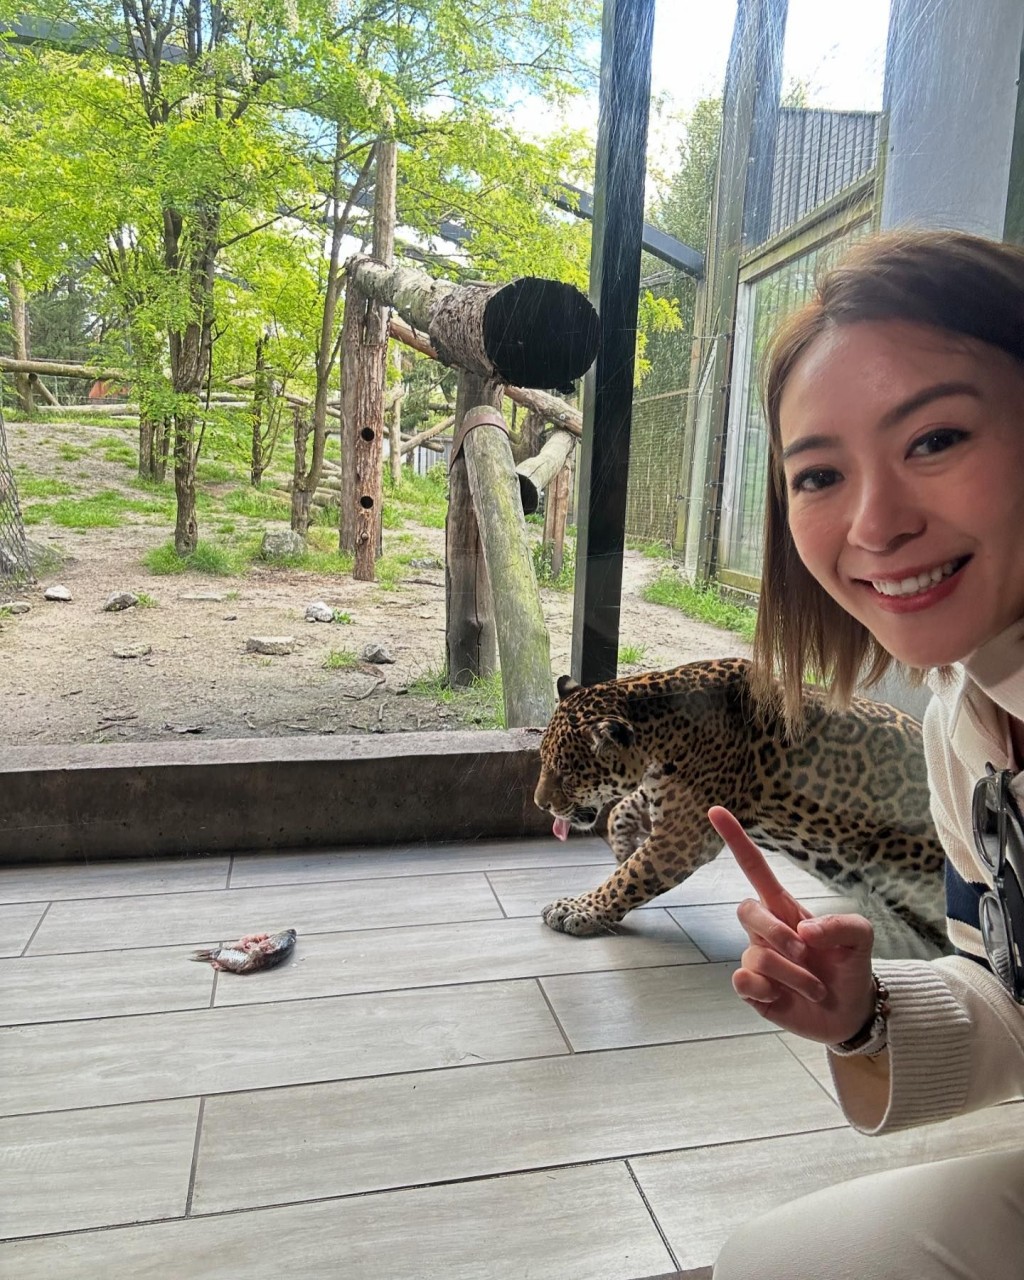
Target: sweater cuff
{"x": 924, "y": 1074}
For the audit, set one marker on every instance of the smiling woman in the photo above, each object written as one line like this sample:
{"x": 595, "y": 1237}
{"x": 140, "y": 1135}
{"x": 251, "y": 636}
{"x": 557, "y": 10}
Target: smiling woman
{"x": 895, "y": 407}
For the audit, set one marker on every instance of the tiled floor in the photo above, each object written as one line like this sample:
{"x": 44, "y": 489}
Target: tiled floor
{"x": 435, "y": 1086}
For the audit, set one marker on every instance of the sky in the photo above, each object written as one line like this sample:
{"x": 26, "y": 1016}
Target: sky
{"x": 836, "y": 50}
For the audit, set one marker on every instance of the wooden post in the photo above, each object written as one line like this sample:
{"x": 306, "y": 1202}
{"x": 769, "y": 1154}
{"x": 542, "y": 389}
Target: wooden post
{"x": 524, "y": 647}
{"x": 19, "y": 334}
{"x": 471, "y": 648}
{"x": 556, "y": 511}
{"x": 536, "y": 473}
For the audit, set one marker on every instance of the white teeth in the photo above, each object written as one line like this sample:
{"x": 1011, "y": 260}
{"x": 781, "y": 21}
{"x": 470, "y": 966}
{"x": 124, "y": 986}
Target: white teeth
{"x": 921, "y": 582}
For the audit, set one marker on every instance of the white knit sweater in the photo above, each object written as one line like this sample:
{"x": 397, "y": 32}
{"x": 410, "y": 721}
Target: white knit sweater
{"x": 956, "y": 1039}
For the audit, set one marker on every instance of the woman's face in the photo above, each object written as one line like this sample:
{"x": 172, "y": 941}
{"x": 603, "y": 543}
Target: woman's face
{"x": 903, "y": 451}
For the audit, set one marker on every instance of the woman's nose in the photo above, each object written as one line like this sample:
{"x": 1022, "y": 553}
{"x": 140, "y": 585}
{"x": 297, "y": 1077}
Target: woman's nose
{"x": 885, "y": 515}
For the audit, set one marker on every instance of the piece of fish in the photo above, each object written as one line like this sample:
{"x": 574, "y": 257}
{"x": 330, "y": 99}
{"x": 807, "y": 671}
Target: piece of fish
{"x": 253, "y": 952}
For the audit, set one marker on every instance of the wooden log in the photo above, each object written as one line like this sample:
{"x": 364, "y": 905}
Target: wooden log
{"x": 550, "y": 408}
{"x": 471, "y": 646}
{"x": 59, "y": 369}
{"x": 245, "y": 383}
{"x": 530, "y": 333}
{"x": 536, "y": 473}
{"x": 413, "y": 442}
{"x": 524, "y": 647}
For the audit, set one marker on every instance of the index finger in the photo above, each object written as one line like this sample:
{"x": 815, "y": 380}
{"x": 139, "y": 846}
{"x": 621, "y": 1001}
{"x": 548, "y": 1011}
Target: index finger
{"x": 749, "y": 858}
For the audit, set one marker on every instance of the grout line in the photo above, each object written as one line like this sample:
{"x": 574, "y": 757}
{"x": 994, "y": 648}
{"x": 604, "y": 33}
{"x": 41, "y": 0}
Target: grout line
{"x": 654, "y": 1217}
{"x": 417, "y": 873}
{"x": 490, "y": 885}
{"x": 32, "y": 935}
{"x": 692, "y": 941}
{"x": 558, "y": 1020}
{"x": 231, "y": 867}
{"x": 800, "y": 1062}
{"x": 195, "y": 1158}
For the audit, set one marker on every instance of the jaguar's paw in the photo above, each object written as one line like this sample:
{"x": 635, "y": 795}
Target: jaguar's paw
{"x": 573, "y": 915}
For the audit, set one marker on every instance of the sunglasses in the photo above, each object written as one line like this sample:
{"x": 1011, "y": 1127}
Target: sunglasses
{"x": 999, "y": 839}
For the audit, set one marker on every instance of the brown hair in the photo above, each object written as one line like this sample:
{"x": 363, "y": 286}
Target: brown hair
{"x": 948, "y": 280}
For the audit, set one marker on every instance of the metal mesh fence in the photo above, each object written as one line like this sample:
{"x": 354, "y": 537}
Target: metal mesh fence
{"x": 15, "y": 566}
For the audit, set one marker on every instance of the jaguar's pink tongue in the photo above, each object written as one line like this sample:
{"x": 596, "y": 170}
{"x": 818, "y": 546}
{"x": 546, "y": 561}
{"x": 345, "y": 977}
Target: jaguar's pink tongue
{"x": 561, "y": 828}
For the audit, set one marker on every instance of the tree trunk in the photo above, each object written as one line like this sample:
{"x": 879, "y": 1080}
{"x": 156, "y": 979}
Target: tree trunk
{"x": 60, "y": 369}
{"x": 302, "y": 494}
{"x": 524, "y": 647}
{"x": 259, "y": 397}
{"x": 145, "y": 445}
{"x": 19, "y": 335}
{"x": 471, "y": 648}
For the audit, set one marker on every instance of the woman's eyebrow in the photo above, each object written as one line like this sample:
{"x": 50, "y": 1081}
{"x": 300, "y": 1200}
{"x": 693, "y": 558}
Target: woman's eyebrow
{"x": 919, "y": 400}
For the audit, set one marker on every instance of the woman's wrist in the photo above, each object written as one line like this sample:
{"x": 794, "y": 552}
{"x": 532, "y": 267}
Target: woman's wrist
{"x": 873, "y": 1035}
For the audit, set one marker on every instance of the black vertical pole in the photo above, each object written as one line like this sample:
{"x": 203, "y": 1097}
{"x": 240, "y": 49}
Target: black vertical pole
{"x": 625, "y": 95}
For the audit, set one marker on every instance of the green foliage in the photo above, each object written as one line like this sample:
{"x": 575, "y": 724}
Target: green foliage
{"x": 146, "y": 601}
{"x": 208, "y": 558}
{"x": 107, "y": 509}
{"x": 702, "y": 600}
{"x": 30, "y": 486}
{"x": 654, "y": 549}
{"x": 565, "y": 578}
{"x": 632, "y": 654}
{"x": 70, "y": 452}
{"x": 340, "y": 660}
{"x": 482, "y": 703}
{"x": 343, "y": 617}
{"x": 258, "y": 505}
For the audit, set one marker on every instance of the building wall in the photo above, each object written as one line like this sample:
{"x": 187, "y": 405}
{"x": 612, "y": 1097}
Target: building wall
{"x": 951, "y": 95}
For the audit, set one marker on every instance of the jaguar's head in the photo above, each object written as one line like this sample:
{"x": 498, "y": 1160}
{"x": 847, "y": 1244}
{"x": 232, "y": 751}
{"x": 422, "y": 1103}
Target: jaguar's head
{"x": 588, "y": 755}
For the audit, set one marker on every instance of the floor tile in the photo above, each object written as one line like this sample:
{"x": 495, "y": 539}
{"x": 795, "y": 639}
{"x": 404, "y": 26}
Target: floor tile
{"x": 813, "y": 1056}
{"x": 650, "y": 1006}
{"x": 101, "y": 984}
{"x": 586, "y": 1223}
{"x": 700, "y": 1196}
{"x": 120, "y": 876}
{"x": 477, "y": 951}
{"x": 440, "y": 1125}
{"x": 16, "y": 925}
{"x": 120, "y": 1060}
{"x": 524, "y": 893}
{"x": 80, "y": 1169}
{"x": 177, "y": 918}
{"x": 436, "y": 859}
{"x": 715, "y": 929}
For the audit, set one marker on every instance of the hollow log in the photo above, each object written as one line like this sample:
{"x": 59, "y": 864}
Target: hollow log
{"x": 524, "y": 647}
{"x": 530, "y": 333}
{"x": 550, "y": 408}
{"x": 536, "y": 473}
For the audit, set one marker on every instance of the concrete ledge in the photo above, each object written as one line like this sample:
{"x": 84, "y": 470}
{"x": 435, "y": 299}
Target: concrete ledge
{"x": 221, "y": 795}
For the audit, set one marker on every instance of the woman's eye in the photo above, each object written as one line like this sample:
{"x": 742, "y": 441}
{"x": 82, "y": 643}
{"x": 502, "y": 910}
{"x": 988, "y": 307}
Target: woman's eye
{"x": 936, "y": 441}
{"x": 813, "y": 479}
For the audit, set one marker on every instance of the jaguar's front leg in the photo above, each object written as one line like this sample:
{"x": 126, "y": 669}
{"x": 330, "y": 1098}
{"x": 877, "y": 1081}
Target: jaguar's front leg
{"x": 629, "y": 824}
{"x": 661, "y": 862}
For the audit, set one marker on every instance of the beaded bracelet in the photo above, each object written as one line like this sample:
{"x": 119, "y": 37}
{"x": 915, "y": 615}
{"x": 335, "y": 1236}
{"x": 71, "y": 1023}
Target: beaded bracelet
{"x": 874, "y": 1034}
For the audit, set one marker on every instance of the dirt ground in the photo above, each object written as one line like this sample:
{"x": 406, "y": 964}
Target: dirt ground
{"x": 61, "y": 681}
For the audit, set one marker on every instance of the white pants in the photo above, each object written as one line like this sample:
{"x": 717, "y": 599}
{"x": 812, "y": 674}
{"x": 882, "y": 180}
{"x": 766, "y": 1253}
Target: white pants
{"x": 960, "y": 1219}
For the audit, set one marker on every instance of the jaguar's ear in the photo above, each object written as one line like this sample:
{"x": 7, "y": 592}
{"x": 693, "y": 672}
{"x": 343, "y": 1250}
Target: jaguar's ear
{"x": 611, "y": 734}
{"x": 565, "y": 685}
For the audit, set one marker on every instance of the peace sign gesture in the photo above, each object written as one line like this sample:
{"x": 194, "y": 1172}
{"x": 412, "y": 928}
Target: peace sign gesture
{"x": 808, "y": 975}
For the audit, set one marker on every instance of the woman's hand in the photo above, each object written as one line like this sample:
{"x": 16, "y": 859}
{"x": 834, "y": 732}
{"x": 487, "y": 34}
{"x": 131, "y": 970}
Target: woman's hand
{"x": 808, "y": 975}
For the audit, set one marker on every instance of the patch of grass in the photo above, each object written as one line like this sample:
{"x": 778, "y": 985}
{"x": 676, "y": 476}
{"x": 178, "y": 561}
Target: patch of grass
{"x": 391, "y": 517}
{"x": 100, "y": 510}
{"x": 146, "y": 601}
{"x": 654, "y": 549}
{"x": 212, "y": 471}
{"x": 390, "y": 569}
{"x": 343, "y": 616}
{"x": 123, "y": 453}
{"x": 71, "y": 452}
{"x": 208, "y": 558}
{"x": 631, "y": 654}
{"x": 340, "y": 660}
{"x": 246, "y": 501}
{"x": 42, "y": 487}
{"x": 226, "y": 526}
{"x": 423, "y": 499}
{"x": 566, "y": 576}
{"x": 701, "y": 600}
{"x": 482, "y": 703}
{"x": 321, "y": 555}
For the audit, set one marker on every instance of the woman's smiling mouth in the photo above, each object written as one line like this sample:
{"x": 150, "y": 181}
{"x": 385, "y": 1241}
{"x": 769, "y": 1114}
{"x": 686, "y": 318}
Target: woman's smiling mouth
{"x": 918, "y": 590}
